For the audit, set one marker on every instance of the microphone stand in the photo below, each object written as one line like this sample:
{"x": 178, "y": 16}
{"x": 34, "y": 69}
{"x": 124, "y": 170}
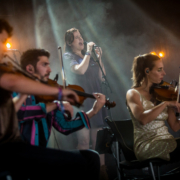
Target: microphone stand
{"x": 105, "y": 82}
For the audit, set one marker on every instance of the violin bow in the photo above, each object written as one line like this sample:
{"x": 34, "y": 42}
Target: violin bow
{"x": 63, "y": 75}
{"x": 19, "y": 68}
{"x": 178, "y": 90}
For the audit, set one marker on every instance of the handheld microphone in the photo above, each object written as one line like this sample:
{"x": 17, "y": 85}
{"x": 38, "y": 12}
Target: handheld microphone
{"x": 12, "y": 49}
{"x": 94, "y": 55}
{"x": 85, "y": 43}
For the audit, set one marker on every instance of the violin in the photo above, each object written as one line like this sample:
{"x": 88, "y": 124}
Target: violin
{"x": 14, "y": 67}
{"x": 79, "y": 91}
{"x": 164, "y": 91}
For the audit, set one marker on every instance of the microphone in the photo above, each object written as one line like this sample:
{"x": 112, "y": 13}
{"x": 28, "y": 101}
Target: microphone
{"x": 85, "y": 43}
{"x": 93, "y": 52}
{"x": 12, "y": 49}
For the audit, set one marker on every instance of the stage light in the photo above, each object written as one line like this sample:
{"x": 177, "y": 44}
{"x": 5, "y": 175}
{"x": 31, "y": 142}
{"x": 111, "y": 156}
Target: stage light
{"x": 161, "y": 54}
{"x": 153, "y": 53}
{"x": 8, "y": 45}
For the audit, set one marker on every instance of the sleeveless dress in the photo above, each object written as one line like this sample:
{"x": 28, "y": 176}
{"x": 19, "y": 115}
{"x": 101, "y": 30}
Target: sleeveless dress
{"x": 153, "y": 139}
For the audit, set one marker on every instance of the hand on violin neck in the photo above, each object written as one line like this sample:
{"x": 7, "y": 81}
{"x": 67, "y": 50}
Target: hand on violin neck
{"x": 99, "y": 103}
{"x": 70, "y": 96}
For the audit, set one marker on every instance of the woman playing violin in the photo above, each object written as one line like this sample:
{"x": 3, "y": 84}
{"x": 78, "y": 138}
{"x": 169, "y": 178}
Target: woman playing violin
{"x": 151, "y": 136}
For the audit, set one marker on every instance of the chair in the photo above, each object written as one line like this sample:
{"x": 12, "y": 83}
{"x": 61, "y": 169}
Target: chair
{"x": 123, "y": 131}
{"x": 5, "y": 175}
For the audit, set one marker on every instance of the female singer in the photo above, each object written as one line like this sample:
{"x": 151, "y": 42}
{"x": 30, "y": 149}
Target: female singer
{"x": 81, "y": 69}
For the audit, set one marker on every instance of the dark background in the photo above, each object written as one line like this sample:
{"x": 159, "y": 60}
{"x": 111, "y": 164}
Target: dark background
{"x": 122, "y": 28}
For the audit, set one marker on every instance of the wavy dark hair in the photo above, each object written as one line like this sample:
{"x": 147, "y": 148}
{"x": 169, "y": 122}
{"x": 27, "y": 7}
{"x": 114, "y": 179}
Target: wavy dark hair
{"x": 4, "y": 25}
{"x": 140, "y": 63}
{"x": 69, "y": 38}
{"x": 31, "y": 56}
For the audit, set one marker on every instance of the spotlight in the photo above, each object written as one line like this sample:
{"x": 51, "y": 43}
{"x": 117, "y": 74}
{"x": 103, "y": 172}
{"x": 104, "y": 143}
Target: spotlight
{"x": 161, "y": 54}
{"x": 153, "y": 53}
{"x": 8, "y": 45}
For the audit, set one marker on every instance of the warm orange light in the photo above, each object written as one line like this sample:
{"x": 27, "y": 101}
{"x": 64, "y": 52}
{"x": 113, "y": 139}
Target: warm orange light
{"x": 153, "y": 53}
{"x": 8, "y": 45}
{"x": 161, "y": 54}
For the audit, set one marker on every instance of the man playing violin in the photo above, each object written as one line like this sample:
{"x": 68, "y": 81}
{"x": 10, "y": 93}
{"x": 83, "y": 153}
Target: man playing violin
{"x": 27, "y": 161}
{"x": 36, "y": 120}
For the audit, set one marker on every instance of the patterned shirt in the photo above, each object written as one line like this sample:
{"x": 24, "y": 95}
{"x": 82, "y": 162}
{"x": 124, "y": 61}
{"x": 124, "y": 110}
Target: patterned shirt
{"x": 35, "y": 123}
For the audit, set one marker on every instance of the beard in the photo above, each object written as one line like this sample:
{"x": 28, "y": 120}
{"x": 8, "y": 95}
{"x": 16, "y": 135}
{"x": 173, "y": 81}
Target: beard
{"x": 44, "y": 77}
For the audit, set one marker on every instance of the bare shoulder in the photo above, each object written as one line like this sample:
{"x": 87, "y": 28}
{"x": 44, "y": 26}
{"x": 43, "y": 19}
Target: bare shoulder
{"x": 132, "y": 92}
{"x": 132, "y": 95}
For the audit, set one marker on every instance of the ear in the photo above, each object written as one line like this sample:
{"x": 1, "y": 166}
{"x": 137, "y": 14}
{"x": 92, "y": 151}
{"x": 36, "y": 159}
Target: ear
{"x": 30, "y": 68}
{"x": 147, "y": 71}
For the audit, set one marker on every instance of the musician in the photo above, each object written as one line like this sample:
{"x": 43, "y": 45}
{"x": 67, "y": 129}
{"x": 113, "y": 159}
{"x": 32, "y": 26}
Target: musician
{"x": 27, "y": 161}
{"x": 151, "y": 136}
{"x": 81, "y": 69}
{"x": 36, "y": 119}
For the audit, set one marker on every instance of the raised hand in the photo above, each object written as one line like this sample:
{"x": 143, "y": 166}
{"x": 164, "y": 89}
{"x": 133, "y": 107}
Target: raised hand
{"x": 99, "y": 103}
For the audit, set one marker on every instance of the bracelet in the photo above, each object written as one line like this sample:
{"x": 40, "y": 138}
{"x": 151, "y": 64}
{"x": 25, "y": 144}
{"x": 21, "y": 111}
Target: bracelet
{"x": 88, "y": 53}
{"x": 60, "y": 94}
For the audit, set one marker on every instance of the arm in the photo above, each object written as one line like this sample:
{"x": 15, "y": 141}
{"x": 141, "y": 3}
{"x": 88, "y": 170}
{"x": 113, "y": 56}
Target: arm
{"x": 144, "y": 117}
{"x": 83, "y": 66}
{"x": 38, "y": 111}
{"x": 21, "y": 84}
{"x": 18, "y": 101}
{"x": 98, "y": 104}
{"x": 81, "y": 120}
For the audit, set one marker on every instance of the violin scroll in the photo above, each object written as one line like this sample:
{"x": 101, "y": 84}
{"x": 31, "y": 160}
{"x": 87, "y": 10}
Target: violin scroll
{"x": 109, "y": 104}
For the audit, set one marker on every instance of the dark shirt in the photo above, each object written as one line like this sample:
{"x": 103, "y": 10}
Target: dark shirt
{"x": 9, "y": 131}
